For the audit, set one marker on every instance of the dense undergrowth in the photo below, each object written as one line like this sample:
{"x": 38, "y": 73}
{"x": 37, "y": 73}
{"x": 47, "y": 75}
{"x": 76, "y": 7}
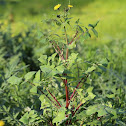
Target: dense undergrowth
{"x": 109, "y": 86}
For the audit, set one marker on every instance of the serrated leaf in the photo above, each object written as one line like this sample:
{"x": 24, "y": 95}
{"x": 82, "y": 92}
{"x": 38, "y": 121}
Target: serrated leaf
{"x": 29, "y": 75}
{"x": 14, "y": 80}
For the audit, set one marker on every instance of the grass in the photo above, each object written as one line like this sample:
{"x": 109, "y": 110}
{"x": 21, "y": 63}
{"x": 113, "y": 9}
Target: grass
{"x": 110, "y": 13}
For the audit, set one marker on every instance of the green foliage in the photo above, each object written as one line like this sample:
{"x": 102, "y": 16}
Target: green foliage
{"x": 37, "y": 94}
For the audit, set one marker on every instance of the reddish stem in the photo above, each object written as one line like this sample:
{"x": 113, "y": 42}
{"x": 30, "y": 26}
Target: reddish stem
{"x": 67, "y": 94}
{"x": 60, "y": 55}
{"x": 67, "y": 51}
{"x": 77, "y": 87}
{"x": 73, "y": 38}
{"x": 54, "y": 98}
{"x": 77, "y": 109}
{"x": 44, "y": 94}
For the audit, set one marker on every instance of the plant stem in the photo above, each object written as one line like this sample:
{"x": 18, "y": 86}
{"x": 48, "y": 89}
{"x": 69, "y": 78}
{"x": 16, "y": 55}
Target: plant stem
{"x": 77, "y": 109}
{"x": 67, "y": 94}
{"x": 54, "y": 98}
{"x": 74, "y": 37}
{"x": 45, "y": 95}
{"x": 65, "y": 81}
{"x": 58, "y": 52}
{"x": 77, "y": 87}
{"x": 66, "y": 43}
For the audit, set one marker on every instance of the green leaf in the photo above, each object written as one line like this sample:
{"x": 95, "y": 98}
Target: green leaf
{"x": 95, "y": 32}
{"x": 37, "y": 78}
{"x": 90, "y": 25}
{"x": 43, "y": 59}
{"x": 25, "y": 118}
{"x": 77, "y": 21}
{"x": 110, "y": 95}
{"x": 33, "y": 89}
{"x": 90, "y": 96}
{"x": 80, "y": 28}
{"x": 14, "y": 80}
{"x": 102, "y": 68}
{"x": 120, "y": 123}
{"x": 60, "y": 69}
{"x": 45, "y": 104}
{"x": 101, "y": 111}
{"x": 72, "y": 45}
{"x": 60, "y": 116}
{"x": 104, "y": 62}
{"x": 49, "y": 71}
{"x": 93, "y": 25}
{"x": 87, "y": 34}
{"x": 112, "y": 111}
{"x": 89, "y": 90}
{"x": 58, "y": 23}
{"x": 91, "y": 110}
{"x": 90, "y": 69}
{"x": 29, "y": 75}
{"x": 41, "y": 98}
{"x": 52, "y": 57}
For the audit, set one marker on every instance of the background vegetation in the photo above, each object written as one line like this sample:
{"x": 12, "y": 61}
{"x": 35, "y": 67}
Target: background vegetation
{"x": 22, "y": 26}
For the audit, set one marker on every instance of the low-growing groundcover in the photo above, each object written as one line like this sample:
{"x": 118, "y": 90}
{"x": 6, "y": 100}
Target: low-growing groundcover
{"x": 77, "y": 85}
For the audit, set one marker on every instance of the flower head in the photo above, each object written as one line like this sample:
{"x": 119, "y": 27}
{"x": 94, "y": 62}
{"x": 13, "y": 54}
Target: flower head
{"x": 2, "y": 123}
{"x": 57, "y": 7}
{"x": 70, "y": 6}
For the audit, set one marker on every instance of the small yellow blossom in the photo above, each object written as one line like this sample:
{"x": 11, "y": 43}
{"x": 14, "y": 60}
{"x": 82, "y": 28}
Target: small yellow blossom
{"x": 2, "y": 123}
{"x": 57, "y": 7}
{"x": 70, "y": 6}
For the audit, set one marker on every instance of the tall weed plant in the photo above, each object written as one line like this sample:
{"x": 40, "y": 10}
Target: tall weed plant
{"x": 68, "y": 89}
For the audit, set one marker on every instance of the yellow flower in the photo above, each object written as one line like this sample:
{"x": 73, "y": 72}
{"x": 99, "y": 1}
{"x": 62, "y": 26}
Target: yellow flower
{"x": 57, "y": 7}
{"x": 2, "y": 123}
{"x": 70, "y": 6}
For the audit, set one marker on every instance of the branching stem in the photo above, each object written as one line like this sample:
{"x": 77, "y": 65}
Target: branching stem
{"x": 54, "y": 97}
{"x": 77, "y": 87}
{"x": 45, "y": 95}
